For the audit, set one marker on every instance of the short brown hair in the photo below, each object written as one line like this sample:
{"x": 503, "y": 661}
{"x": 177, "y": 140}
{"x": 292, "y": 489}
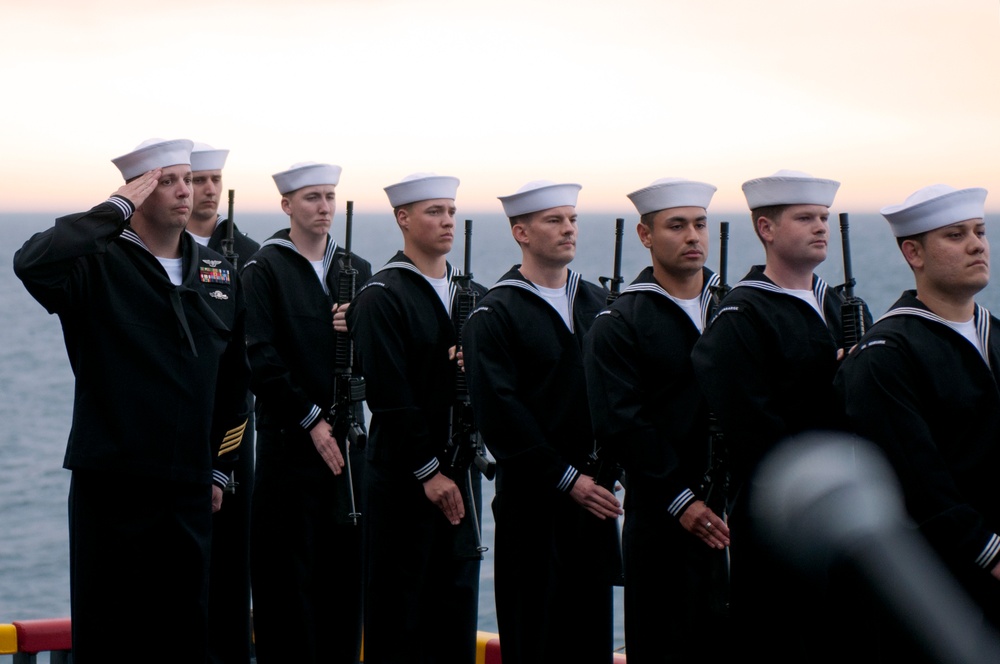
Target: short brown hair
{"x": 647, "y": 219}
{"x": 772, "y": 212}
{"x": 521, "y": 219}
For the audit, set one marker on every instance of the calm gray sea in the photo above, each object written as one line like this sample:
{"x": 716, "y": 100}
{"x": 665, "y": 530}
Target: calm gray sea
{"x": 36, "y": 385}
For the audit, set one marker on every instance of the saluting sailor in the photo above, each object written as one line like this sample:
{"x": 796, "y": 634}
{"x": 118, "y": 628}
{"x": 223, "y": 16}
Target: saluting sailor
{"x": 650, "y": 416}
{"x": 305, "y": 550}
{"x": 421, "y": 598}
{"x": 154, "y": 329}
{"x": 766, "y": 364}
{"x": 524, "y": 358}
{"x": 922, "y": 384}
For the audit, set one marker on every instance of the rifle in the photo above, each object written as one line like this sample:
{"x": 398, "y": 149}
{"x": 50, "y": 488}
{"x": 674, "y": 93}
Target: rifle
{"x": 348, "y": 390}
{"x": 852, "y": 311}
{"x": 615, "y": 281}
{"x": 228, "y": 243}
{"x": 607, "y": 472}
{"x": 229, "y": 251}
{"x": 465, "y": 447}
{"x": 716, "y": 475}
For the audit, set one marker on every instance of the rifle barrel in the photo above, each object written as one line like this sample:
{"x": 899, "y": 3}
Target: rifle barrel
{"x": 845, "y": 237}
{"x": 619, "y": 234}
{"x": 348, "y": 229}
{"x": 468, "y": 248}
{"x": 723, "y": 252}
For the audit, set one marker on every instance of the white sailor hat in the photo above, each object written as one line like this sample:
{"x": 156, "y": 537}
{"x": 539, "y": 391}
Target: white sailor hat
{"x": 539, "y": 195}
{"x": 206, "y": 158}
{"x": 153, "y": 153}
{"x": 306, "y": 174}
{"x": 789, "y": 188}
{"x": 934, "y": 207}
{"x": 421, "y": 187}
{"x": 668, "y": 193}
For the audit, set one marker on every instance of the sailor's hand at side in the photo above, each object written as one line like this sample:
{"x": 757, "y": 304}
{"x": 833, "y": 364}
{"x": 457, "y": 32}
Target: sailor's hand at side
{"x": 139, "y": 189}
{"x": 216, "y": 498}
{"x": 699, "y": 520}
{"x": 594, "y": 498}
{"x": 340, "y": 317}
{"x": 444, "y": 493}
{"x": 326, "y": 445}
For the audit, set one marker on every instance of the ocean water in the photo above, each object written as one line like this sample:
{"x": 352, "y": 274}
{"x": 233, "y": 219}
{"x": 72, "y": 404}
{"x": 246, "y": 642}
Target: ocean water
{"x": 36, "y": 384}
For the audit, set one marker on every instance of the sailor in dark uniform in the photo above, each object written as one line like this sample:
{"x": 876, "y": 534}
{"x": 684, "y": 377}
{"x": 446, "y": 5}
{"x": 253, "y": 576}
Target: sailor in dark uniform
{"x": 922, "y": 384}
{"x": 766, "y": 364}
{"x": 650, "y": 417}
{"x": 206, "y": 224}
{"x": 229, "y": 577}
{"x": 421, "y": 581}
{"x": 554, "y": 524}
{"x": 154, "y": 329}
{"x": 305, "y": 548}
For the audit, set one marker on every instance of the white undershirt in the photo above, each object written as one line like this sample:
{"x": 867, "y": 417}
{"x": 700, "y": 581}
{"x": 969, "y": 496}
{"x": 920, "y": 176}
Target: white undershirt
{"x": 807, "y": 296}
{"x": 968, "y": 330}
{"x": 173, "y": 268}
{"x": 558, "y": 299}
{"x": 318, "y": 269}
{"x": 203, "y": 241}
{"x": 692, "y": 308}
{"x": 440, "y": 287}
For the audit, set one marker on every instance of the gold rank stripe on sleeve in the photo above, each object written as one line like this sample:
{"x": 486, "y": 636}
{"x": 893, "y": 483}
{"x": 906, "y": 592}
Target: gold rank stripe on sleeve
{"x": 233, "y": 438}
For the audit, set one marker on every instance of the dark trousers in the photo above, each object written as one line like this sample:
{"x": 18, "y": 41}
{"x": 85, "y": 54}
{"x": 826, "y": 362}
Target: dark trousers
{"x": 229, "y": 577}
{"x": 421, "y": 581}
{"x": 553, "y": 579}
{"x": 139, "y": 559}
{"x": 305, "y": 562}
{"x": 676, "y": 592}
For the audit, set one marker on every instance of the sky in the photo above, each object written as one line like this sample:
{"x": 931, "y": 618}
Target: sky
{"x": 885, "y": 96}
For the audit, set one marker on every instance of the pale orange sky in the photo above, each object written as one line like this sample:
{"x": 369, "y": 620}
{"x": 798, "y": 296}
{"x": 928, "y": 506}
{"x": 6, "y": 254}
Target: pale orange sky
{"x": 884, "y": 95}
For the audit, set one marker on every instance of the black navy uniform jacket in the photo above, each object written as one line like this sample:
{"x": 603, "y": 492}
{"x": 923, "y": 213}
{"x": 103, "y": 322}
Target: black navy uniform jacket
{"x": 526, "y": 382}
{"x": 290, "y": 337}
{"x": 926, "y": 395}
{"x": 403, "y": 351}
{"x": 648, "y": 412}
{"x": 766, "y": 365}
{"x": 161, "y": 370}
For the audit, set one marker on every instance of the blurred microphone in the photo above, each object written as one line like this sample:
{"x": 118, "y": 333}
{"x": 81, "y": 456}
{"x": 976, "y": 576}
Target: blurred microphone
{"x": 825, "y": 498}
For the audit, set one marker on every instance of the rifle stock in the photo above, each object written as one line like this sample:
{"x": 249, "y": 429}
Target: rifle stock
{"x": 853, "y": 309}
{"x": 349, "y": 390}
